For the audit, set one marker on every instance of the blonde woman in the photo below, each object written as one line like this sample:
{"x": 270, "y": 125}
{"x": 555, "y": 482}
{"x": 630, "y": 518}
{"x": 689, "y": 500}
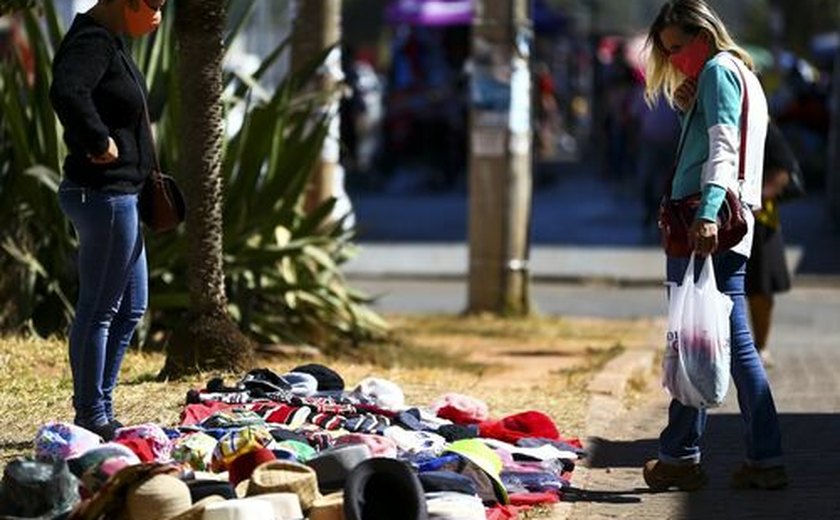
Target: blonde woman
{"x": 695, "y": 64}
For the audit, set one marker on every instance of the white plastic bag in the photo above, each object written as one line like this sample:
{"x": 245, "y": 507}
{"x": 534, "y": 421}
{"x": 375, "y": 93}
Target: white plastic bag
{"x": 697, "y": 358}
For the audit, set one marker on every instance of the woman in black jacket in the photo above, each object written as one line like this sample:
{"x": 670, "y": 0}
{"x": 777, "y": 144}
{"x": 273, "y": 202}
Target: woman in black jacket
{"x": 99, "y": 95}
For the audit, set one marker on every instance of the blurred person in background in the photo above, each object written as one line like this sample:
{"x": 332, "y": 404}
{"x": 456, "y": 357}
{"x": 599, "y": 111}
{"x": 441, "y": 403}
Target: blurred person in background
{"x": 767, "y": 271}
{"x": 659, "y": 131}
{"x": 697, "y": 66}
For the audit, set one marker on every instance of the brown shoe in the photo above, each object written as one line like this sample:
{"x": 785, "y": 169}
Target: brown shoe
{"x": 660, "y": 476}
{"x": 760, "y": 478}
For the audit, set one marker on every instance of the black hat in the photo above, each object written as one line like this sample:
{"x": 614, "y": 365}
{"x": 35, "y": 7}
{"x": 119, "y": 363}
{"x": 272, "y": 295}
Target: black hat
{"x": 37, "y": 490}
{"x": 383, "y": 488}
{"x": 328, "y": 379}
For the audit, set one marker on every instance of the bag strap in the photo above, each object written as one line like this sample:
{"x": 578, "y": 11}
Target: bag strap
{"x": 742, "y": 152}
{"x": 148, "y": 120}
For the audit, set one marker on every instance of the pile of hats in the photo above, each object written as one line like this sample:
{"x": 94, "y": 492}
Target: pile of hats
{"x": 298, "y": 445}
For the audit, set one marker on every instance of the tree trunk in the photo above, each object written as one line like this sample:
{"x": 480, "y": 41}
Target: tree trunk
{"x": 208, "y": 338}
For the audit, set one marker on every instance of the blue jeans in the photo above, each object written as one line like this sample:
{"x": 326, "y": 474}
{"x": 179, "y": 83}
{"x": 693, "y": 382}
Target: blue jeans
{"x": 679, "y": 441}
{"x": 113, "y": 294}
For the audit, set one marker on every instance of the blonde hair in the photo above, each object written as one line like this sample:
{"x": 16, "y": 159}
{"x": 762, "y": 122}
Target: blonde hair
{"x": 692, "y": 17}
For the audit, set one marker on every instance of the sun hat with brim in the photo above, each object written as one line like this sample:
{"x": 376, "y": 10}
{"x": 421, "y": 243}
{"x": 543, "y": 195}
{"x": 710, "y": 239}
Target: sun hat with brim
{"x": 383, "y": 489}
{"x": 328, "y": 507}
{"x": 282, "y": 476}
{"x": 485, "y": 458}
{"x": 37, "y": 490}
{"x": 239, "y": 509}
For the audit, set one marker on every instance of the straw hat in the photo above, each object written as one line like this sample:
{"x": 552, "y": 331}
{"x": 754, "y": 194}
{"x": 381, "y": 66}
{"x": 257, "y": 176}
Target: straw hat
{"x": 282, "y": 476}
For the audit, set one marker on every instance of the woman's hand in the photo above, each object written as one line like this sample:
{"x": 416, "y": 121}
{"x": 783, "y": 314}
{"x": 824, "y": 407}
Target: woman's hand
{"x": 108, "y": 156}
{"x": 705, "y": 237}
{"x": 685, "y": 94}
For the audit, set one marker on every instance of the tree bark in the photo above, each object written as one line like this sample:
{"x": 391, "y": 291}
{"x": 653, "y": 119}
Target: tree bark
{"x": 208, "y": 338}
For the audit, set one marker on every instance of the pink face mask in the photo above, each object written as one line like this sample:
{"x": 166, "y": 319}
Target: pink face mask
{"x": 141, "y": 21}
{"x": 692, "y": 57}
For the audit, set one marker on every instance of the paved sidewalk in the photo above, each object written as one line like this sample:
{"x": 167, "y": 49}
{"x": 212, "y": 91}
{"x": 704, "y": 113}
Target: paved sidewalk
{"x": 806, "y": 386}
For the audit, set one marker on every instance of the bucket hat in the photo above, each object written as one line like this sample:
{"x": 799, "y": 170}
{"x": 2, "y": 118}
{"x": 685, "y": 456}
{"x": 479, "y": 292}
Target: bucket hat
{"x": 383, "y": 488}
{"x": 37, "y": 490}
{"x": 333, "y": 465}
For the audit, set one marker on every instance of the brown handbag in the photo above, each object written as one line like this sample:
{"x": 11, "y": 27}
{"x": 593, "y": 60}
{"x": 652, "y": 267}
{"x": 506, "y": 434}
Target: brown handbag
{"x": 161, "y": 202}
{"x": 677, "y": 215}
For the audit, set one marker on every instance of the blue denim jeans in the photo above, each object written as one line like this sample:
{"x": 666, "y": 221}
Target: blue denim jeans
{"x": 113, "y": 294}
{"x": 679, "y": 441}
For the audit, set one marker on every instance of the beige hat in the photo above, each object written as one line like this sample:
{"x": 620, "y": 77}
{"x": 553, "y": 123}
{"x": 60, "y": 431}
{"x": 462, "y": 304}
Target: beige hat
{"x": 282, "y": 476}
{"x": 163, "y": 497}
{"x": 286, "y": 505}
{"x": 329, "y": 507}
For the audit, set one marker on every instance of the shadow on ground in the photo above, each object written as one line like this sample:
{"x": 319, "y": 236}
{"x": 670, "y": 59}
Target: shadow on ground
{"x": 812, "y": 455}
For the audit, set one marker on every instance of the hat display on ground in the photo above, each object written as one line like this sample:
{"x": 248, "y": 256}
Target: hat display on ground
{"x": 384, "y": 489}
{"x": 296, "y": 446}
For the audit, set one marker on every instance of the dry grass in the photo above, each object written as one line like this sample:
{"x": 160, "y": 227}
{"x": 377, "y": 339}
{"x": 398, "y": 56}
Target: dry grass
{"x": 514, "y": 365}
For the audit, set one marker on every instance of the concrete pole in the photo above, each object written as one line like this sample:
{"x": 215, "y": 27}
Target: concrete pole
{"x": 317, "y": 26}
{"x": 833, "y": 170}
{"x": 500, "y": 158}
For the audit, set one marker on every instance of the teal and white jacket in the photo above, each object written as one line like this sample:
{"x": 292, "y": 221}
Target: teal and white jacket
{"x": 710, "y": 155}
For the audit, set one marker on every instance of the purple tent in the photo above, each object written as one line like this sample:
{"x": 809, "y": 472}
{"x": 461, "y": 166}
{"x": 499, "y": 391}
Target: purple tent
{"x": 460, "y": 12}
{"x": 430, "y": 12}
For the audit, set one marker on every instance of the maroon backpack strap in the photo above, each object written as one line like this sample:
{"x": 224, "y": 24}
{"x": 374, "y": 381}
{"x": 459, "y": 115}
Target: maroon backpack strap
{"x": 745, "y": 108}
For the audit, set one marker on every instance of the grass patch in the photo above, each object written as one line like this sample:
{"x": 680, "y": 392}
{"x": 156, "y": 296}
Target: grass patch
{"x": 505, "y": 362}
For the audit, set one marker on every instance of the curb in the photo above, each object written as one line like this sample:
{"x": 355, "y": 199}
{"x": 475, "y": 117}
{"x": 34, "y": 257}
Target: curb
{"x": 607, "y": 391}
